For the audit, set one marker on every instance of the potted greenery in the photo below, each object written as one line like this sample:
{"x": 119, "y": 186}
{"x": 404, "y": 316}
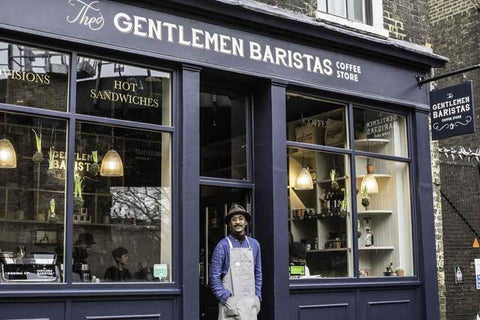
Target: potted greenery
{"x": 94, "y": 167}
{"x": 38, "y": 156}
{"x": 77, "y": 193}
{"x": 365, "y": 198}
{"x": 399, "y": 271}
{"x": 335, "y": 185}
{"x": 338, "y": 243}
{"x": 389, "y": 271}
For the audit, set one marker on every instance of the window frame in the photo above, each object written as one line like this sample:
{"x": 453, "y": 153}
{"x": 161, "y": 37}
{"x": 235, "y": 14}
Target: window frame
{"x": 350, "y": 104}
{"x": 71, "y": 117}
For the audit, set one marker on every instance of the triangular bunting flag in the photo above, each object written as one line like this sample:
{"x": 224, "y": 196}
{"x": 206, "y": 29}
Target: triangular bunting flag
{"x": 475, "y": 243}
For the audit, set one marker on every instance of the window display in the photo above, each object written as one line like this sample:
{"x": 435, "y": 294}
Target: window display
{"x": 32, "y": 198}
{"x": 316, "y": 121}
{"x": 320, "y": 216}
{"x": 33, "y": 77}
{"x": 122, "y": 211}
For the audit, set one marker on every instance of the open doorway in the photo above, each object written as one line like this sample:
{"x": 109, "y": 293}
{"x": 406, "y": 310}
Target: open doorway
{"x": 214, "y": 203}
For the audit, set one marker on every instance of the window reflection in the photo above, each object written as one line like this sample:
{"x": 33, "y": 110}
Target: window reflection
{"x": 223, "y": 149}
{"x": 120, "y": 91}
{"x": 33, "y": 77}
{"x": 122, "y": 222}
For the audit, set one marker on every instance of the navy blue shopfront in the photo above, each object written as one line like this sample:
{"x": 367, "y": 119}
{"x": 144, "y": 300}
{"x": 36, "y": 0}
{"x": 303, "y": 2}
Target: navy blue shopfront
{"x": 297, "y": 96}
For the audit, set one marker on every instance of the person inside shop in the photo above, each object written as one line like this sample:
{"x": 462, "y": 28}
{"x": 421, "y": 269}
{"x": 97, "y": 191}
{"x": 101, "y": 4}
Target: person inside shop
{"x": 236, "y": 269}
{"x": 119, "y": 272}
{"x": 298, "y": 254}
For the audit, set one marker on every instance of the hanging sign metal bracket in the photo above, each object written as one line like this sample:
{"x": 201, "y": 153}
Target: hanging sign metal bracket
{"x": 421, "y": 80}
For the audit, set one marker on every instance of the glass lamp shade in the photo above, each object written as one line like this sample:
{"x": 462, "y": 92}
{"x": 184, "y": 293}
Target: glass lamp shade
{"x": 369, "y": 182}
{"x": 112, "y": 165}
{"x": 304, "y": 180}
{"x": 8, "y": 156}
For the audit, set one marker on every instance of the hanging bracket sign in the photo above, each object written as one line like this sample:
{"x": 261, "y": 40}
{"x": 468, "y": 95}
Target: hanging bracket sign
{"x": 452, "y": 111}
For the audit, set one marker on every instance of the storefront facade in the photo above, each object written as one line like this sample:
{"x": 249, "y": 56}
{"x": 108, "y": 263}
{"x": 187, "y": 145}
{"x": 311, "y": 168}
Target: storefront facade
{"x": 128, "y": 130}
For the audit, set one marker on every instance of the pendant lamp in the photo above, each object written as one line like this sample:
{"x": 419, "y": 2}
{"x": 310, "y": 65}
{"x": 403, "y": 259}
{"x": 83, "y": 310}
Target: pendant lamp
{"x": 369, "y": 182}
{"x": 304, "y": 180}
{"x": 112, "y": 165}
{"x": 8, "y": 156}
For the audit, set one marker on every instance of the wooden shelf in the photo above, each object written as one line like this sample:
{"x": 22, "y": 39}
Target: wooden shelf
{"x": 374, "y": 248}
{"x": 375, "y": 212}
{"x": 370, "y": 142}
{"x": 376, "y": 175}
{"x": 329, "y": 180}
{"x": 328, "y": 250}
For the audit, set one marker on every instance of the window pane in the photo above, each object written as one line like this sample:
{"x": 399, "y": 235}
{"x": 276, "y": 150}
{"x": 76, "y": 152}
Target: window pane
{"x": 33, "y": 77}
{"x": 337, "y": 7}
{"x": 380, "y": 132}
{"x": 355, "y": 10}
{"x": 223, "y": 142}
{"x": 32, "y": 198}
{"x": 320, "y": 212}
{"x": 315, "y": 121}
{"x": 384, "y": 217}
{"x": 120, "y": 91}
{"x": 122, "y": 220}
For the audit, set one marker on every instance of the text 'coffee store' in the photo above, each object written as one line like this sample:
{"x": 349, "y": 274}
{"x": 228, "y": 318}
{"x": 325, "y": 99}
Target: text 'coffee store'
{"x": 129, "y": 128}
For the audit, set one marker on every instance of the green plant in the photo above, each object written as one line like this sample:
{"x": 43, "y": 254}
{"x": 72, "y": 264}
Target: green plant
{"x": 365, "y": 198}
{"x": 94, "y": 167}
{"x": 77, "y": 192}
{"x": 344, "y": 204}
{"x": 38, "y": 156}
{"x": 335, "y": 185}
{"x": 51, "y": 160}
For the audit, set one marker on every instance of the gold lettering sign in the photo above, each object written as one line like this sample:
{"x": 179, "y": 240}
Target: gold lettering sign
{"x": 25, "y": 76}
{"x": 83, "y": 161}
{"x": 124, "y": 97}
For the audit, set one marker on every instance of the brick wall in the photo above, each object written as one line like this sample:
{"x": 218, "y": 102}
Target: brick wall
{"x": 455, "y": 33}
{"x": 407, "y": 20}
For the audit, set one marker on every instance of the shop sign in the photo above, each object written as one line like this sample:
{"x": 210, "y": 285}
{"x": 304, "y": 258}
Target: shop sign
{"x": 380, "y": 125}
{"x": 158, "y": 34}
{"x": 452, "y": 111}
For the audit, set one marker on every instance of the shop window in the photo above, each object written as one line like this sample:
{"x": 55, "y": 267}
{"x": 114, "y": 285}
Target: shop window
{"x": 320, "y": 221}
{"x": 122, "y": 205}
{"x": 223, "y": 140}
{"x": 384, "y": 219}
{"x": 32, "y": 198}
{"x": 120, "y": 91}
{"x": 365, "y": 15}
{"x": 350, "y": 9}
{"x": 315, "y": 121}
{"x": 33, "y": 77}
{"x": 380, "y": 132}
{"x": 322, "y": 230}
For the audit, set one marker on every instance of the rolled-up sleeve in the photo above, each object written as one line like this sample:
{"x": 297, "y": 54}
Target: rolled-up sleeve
{"x": 216, "y": 267}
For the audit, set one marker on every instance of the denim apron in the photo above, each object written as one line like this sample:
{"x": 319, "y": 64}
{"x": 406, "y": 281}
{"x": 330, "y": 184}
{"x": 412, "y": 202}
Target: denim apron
{"x": 240, "y": 281}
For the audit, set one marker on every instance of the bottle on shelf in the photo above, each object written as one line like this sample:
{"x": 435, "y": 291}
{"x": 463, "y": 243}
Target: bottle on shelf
{"x": 369, "y": 239}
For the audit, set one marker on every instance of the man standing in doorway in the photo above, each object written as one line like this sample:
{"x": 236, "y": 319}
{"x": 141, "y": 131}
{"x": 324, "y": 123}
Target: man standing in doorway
{"x": 236, "y": 270}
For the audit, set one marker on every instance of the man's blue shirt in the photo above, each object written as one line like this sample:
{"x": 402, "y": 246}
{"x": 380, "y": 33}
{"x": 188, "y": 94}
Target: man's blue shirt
{"x": 221, "y": 263}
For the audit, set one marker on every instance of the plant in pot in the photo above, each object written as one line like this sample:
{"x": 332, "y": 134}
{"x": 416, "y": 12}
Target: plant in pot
{"x": 338, "y": 243}
{"x": 38, "y": 156}
{"x": 335, "y": 185}
{"x": 365, "y": 198}
{"x": 94, "y": 167}
{"x": 77, "y": 193}
{"x": 399, "y": 271}
{"x": 52, "y": 217}
{"x": 389, "y": 271}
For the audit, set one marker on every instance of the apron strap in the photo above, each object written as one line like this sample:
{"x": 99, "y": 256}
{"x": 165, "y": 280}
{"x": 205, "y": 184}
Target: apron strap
{"x": 230, "y": 242}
